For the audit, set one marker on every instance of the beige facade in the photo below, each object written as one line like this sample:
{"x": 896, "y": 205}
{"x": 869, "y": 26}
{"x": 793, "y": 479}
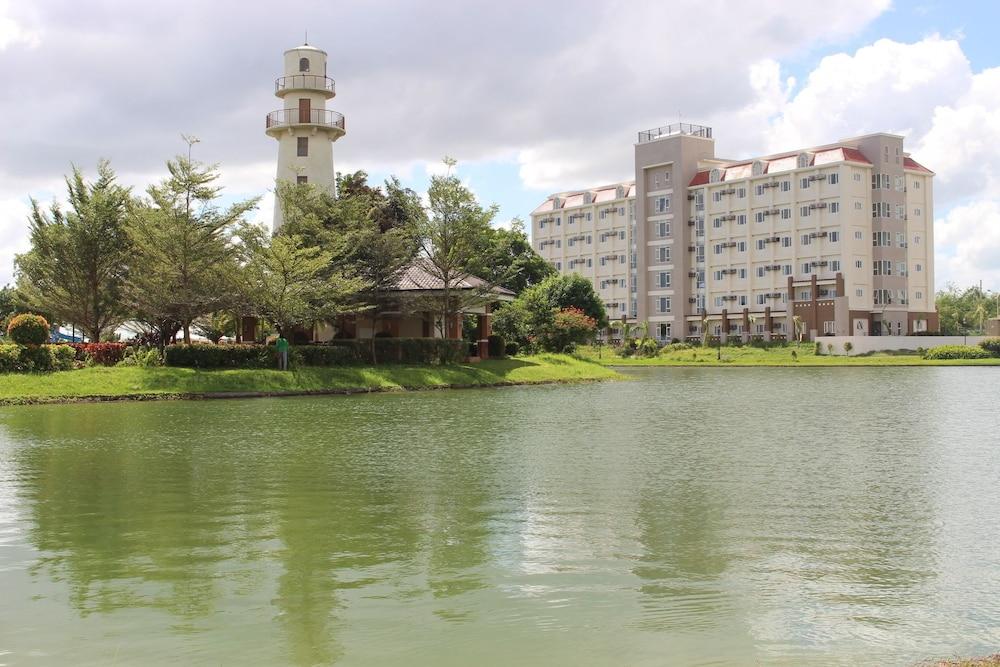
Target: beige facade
{"x": 304, "y": 128}
{"x": 839, "y": 236}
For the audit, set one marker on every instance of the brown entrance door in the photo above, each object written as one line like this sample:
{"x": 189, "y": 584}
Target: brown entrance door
{"x": 304, "y": 109}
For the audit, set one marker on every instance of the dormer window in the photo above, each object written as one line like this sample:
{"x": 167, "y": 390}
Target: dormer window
{"x": 303, "y": 64}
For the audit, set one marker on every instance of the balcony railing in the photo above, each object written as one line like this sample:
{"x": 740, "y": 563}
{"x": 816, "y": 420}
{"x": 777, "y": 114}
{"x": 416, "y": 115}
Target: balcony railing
{"x": 305, "y": 82}
{"x": 676, "y": 128}
{"x": 288, "y": 117}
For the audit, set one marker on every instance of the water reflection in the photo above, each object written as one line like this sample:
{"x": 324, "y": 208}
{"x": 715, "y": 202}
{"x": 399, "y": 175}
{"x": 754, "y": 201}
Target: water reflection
{"x": 583, "y": 524}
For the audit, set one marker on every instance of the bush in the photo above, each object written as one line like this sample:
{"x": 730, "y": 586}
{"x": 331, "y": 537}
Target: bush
{"x": 569, "y": 327}
{"x": 143, "y": 357}
{"x": 675, "y": 347}
{"x": 497, "y": 346}
{"x": 105, "y": 354}
{"x": 957, "y": 352}
{"x": 991, "y": 345}
{"x": 512, "y": 348}
{"x": 35, "y": 358}
{"x": 28, "y": 329}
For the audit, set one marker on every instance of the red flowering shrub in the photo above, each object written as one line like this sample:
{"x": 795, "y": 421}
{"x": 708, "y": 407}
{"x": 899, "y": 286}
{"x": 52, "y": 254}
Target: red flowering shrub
{"x": 28, "y": 329}
{"x": 569, "y": 327}
{"x": 105, "y": 354}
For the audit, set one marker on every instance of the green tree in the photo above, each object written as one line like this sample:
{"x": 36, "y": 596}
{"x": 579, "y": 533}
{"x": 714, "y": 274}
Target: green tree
{"x": 77, "y": 264}
{"x": 509, "y": 261}
{"x": 965, "y": 311}
{"x": 290, "y": 284}
{"x": 569, "y": 327}
{"x": 526, "y": 318}
{"x": 183, "y": 259}
{"x": 452, "y": 238}
{"x": 8, "y": 306}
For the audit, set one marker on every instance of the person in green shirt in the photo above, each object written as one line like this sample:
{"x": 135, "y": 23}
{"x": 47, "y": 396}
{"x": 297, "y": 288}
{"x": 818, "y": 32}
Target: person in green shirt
{"x": 282, "y": 345}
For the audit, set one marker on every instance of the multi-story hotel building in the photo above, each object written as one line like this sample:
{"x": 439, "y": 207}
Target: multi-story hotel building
{"x": 837, "y": 237}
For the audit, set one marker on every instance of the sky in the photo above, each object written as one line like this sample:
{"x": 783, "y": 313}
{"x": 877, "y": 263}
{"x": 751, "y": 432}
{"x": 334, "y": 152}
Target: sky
{"x": 530, "y": 97}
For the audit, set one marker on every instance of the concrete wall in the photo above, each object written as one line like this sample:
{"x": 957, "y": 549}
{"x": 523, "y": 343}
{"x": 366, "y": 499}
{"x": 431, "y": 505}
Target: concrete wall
{"x": 864, "y": 344}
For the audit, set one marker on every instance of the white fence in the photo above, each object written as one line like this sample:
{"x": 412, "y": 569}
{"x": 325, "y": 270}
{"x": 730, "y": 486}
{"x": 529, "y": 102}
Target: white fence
{"x": 862, "y": 344}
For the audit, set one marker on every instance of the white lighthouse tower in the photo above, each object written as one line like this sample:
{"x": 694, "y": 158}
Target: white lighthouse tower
{"x": 305, "y": 128}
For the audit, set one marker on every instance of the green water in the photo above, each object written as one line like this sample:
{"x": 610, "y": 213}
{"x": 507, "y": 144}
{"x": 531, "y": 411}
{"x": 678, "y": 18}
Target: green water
{"x": 691, "y": 517}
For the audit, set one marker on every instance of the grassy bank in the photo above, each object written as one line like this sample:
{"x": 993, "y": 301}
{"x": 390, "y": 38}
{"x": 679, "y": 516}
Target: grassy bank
{"x": 805, "y": 355}
{"x": 129, "y": 382}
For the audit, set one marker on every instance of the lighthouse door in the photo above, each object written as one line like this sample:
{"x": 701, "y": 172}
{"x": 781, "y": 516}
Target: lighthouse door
{"x": 304, "y": 109}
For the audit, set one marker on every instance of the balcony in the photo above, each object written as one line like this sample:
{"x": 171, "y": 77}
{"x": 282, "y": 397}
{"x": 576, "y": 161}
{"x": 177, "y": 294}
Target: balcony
{"x": 285, "y": 118}
{"x": 315, "y": 82}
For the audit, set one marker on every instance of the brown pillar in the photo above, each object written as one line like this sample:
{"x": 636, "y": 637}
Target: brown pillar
{"x": 746, "y": 325}
{"x": 814, "y": 289}
{"x": 484, "y": 329}
{"x": 249, "y": 326}
{"x": 724, "y": 329}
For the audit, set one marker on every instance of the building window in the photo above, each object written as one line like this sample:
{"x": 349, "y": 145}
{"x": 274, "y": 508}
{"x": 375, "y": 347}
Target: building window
{"x": 806, "y": 268}
{"x": 833, "y": 179}
{"x": 835, "y": 265}
{"x": 859, "y": 235}
{"x": 741, "y": 219}
{"x": 301, "y": 179}
{"x": 661, "y": 204}
{"x": 834, "y": 237}
{"x": 786, "y": 214}
{"x": 882, "y": 239}
{"x": 741, "y": 193}
{"x": 883, "y": 297}
{"x": 663, "y": 279}
{"x": 805, "y": 240}
{"x": 717, "y": 223}
{"x": 303, "y": 64}
{"x": 760, "y": 271}
{"x": 857, "y": 176}
{"x": 741, "y": 246}
{"x": 834, "y": 207}
{"x": 759, "y": 216}
{"x": 761, "y": 244}
{"x": 804, "y": 183}
{"x": 859, "y": 292}
{"x": 663, "y": 331}
{"x": 787, "y": 269}
{"x": 918, "y": 268}
{"x": 805, "y": 295}
{"x": 859, "y": 264}
{"x": 663, "y": 304}
{"x": 804, "y": 212}
{"x": 919, "y": 295}
{"x": 759, "y": 189}
{"x": 881, "y": 267}
{"x": 302, "y": 146}
{"x": 786, "y": 186}
{"x": 786, "y": 241}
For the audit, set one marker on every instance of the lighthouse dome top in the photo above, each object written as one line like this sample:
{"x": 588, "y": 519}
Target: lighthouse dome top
{"x": 306, "y": 47}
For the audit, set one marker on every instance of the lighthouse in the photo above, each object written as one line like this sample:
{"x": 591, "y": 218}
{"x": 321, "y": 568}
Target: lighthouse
{"x": 304, "y": 127}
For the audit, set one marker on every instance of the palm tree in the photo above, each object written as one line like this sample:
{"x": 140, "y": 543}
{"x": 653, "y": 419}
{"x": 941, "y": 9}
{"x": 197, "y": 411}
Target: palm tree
{"x": 704, "y": 330}
{"x": 627, "y": 329}
{"x": 752, "y": 319}
{"x": 980, "y": 314}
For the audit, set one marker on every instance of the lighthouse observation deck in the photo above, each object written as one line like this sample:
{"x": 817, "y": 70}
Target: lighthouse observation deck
{"x": 285, "y": 118}
{"x": 310, "y": 82}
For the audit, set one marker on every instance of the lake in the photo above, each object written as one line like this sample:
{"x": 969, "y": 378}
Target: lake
{"x": 721, "y": 516}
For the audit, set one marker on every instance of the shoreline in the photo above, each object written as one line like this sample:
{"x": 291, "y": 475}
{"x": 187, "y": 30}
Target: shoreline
{"x": 100, "y": 384}
{"x": 231, "y": 395}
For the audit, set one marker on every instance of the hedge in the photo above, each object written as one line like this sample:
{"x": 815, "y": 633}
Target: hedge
{"x": 27, "y": 358}
{"x": 991, "y": 345}
{"x": 956, "y": 352}
{"x": 334, "y": 353}
{"x": 105, "y": 354}
{"x": 497, "y": 346}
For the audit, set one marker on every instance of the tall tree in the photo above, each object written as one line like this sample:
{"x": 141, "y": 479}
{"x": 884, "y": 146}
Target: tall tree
{"x": 289, "y": 284}
{"x": 533, "y": 313}
{"x": 966, "y": 311}
{"x": 182, "y": 252}
{"x": 452, "y": 237}
{"x": 510, "y": 261}
{"x": 77, "y": 264}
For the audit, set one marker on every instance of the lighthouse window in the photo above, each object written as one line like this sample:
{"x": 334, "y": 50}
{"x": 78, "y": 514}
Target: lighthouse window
{"x": 303, "y": 64}
{"x": 302, "y": 147}
{"x": 301, "y": 179}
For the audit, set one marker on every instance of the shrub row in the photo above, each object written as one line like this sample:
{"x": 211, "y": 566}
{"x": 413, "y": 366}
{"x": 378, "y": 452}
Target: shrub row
{"x": 105, "y": 354}
{"x": 991, "y": 345}
{"x": 957, "y": 352}
{"x": 334, "y": 353}
{"x": 31, "y": 358}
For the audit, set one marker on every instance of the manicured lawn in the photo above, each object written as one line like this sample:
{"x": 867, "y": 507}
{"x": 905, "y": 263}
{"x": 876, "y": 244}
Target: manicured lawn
{"x": 805, "y": 355}
{"x": 128, "y": 381}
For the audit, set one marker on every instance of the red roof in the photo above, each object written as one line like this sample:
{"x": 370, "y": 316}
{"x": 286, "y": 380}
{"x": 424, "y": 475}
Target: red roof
{"x": 854, "y": 155}
{"x": 701, "y": 178}
{"x": 910, "y": 163}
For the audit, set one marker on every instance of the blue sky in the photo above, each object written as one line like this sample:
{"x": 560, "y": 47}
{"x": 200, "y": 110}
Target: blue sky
{"x": 531, "y": 98}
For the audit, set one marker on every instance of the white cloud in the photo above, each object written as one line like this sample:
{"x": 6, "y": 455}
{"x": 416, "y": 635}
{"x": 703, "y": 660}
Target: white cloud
{"x": 13, "y": 32}
{"x": 13, "y": 235}
{"x": 967, "y": 240}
